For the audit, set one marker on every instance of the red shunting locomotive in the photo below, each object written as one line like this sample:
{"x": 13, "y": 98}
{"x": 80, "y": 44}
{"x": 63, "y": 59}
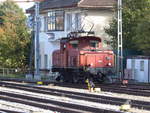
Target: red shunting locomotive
{"x": 80, "y": 55}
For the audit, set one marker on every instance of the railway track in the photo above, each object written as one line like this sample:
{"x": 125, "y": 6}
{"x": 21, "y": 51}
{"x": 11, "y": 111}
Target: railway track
{"x": 7, "y": 111}
{"x": 132, "y": 86}
{"x": 49, "y": 104}
{"x": 139, "y": 90}
{"x": 131, "y": 89}
{"x": 135, "y": 86}
{"x": 77, "y": 95}
{"x": 126, "y": 90}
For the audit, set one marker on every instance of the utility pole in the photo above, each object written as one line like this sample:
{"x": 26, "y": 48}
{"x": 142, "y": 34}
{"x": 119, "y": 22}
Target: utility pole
{"x": 37, "y": 75}
{"x": 120, "y": 44}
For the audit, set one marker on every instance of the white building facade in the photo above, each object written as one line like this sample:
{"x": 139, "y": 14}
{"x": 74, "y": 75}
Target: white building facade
{"x": 140, "y": 68}
{"x": 58, "y": 20}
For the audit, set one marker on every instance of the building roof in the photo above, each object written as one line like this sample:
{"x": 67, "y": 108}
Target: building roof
{"x": 138, "y": 57}
{"x": 97, "y": 3}
{"x": 54, "y": 4}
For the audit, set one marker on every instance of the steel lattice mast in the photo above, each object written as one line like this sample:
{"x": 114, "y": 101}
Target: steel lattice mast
{"x": 120, "y": 45}
{"x": 36, "y": 38}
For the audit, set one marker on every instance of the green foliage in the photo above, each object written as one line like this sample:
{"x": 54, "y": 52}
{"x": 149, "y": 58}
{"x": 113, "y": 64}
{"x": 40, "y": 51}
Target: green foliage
{"x": 14, "y": 36}
{"x": 135, "y": 25}
{"x": 142, "y": 37}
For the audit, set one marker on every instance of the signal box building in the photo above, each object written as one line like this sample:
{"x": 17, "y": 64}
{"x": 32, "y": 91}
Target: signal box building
{"x": 61, "y": 17}
{"x": 139, "y": 68}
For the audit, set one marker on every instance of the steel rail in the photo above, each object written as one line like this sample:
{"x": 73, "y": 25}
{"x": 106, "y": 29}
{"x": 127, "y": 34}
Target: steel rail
{"x": 44, "y": 103}
{"x": 77, "y": 95}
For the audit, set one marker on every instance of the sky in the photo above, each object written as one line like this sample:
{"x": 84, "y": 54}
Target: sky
{"x": 23, "y": 5}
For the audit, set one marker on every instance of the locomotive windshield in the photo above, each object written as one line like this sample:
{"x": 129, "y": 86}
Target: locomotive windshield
{"x": 74, "y": 43}
{"x": 94, "y": 43}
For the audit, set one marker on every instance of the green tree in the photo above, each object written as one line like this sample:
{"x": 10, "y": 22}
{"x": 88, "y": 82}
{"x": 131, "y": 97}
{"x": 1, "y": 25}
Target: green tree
{"x": 14, "y": 36}
{"x": 142, "y": 36}
{"x": 135, "y": 16}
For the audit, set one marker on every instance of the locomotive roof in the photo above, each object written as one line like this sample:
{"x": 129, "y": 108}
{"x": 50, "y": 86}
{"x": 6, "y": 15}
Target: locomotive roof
{"x": 83, "y": 37}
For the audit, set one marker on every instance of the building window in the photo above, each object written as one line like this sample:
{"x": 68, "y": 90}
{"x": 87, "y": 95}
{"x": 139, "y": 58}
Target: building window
{"x": 69, "y": 22}
{"x": 94, "y": 43}
{"x": 133, "y": 63}
{"x": 45, "y": 24}
{"x": 55, "y": 21}
{"x": 45, "y": 61}
{"x": 40, "y": 61}
{"x": 141, "y": 65}
{"x": 77, "y": 21}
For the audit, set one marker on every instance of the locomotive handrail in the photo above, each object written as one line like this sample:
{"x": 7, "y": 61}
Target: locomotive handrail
{"x": 80, "y": 33}
{"x": 96, "y": 49}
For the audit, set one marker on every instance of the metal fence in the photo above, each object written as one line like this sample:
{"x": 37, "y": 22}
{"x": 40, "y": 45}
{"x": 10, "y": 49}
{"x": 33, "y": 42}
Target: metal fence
{"x": 22, "y": 74}
{"x": 12, "y": 73}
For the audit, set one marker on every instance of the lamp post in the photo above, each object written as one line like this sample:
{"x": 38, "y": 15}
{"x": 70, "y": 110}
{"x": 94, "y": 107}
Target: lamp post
{"x": 120, "y": 44}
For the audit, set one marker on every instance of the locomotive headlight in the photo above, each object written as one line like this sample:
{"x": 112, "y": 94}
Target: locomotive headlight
{"x": 81, "y": 53}
{"x": 109, "y": 64}
{"x": 64, "y": 45}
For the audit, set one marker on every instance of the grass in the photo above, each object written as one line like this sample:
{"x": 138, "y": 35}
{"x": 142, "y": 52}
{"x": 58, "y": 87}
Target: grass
{"x": 12, "y": 76}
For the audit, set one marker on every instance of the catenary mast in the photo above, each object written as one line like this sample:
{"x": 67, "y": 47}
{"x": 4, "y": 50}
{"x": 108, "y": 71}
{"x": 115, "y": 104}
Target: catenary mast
{"x": 37, "y": 75}
{"x": 119, "y": 43}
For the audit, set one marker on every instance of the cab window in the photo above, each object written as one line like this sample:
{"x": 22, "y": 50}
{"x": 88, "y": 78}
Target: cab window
{"x": 94, "y": 43}
{"x": 74, "y": 44}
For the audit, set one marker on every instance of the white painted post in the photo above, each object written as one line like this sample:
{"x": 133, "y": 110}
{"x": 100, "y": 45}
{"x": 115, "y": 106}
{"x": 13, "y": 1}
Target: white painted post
{"x": 37, "y": 75}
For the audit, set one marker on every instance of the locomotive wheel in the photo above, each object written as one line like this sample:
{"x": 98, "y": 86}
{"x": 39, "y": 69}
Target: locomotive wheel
{"x": 101, "y": 77}
{"x": 75, "y": 79}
